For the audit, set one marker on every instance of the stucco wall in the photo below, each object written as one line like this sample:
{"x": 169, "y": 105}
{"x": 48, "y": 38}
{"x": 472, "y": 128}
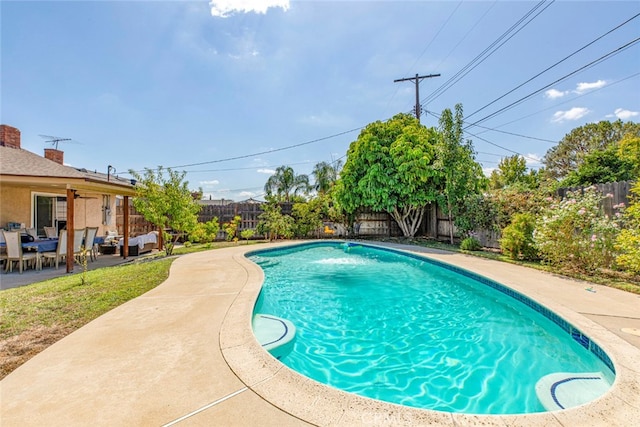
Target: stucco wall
{"x": 15, "y": 205}
{"x": 88, "y": 213}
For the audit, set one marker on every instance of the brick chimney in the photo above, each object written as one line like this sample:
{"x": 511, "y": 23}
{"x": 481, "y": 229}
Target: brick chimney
{"x": 9, "y": 136}
{"x": 54, "y": 155}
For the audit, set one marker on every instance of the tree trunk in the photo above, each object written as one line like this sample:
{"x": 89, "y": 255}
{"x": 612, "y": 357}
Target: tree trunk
{"x": 409, "y": 220}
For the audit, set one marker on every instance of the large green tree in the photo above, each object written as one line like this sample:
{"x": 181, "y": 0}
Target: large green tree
{"x": 284, "y": 184}
{"x": 628, "y": 241}
{"x": 629, "y": 150}
{"x": 570, "y": 152}
{"x": 461, "y": 176}
{"x": 601, "y": 166}
{"x": 511, "y": 170}
{"x": 164, "y": 199}
{"x": 325, "y": 175}
{"x": 390, "y": 168}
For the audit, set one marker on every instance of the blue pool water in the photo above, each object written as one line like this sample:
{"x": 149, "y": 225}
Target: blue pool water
{"x": 406, "y": 330}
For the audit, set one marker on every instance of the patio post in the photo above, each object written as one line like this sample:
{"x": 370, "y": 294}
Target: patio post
{"x": 125, "y": 211}
{"x": 71, "y": 200}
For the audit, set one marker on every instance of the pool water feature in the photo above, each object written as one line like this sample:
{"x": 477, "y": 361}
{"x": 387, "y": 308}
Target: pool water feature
{"x": 408, "y": 330}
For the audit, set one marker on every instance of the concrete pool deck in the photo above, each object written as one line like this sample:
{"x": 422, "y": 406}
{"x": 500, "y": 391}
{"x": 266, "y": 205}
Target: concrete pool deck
{"x": 184, "y": 354}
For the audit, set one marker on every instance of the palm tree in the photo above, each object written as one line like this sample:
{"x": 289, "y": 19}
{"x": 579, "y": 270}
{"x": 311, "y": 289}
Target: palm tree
{"x": 285, "y": 183}
{"x": 325, "y": 175}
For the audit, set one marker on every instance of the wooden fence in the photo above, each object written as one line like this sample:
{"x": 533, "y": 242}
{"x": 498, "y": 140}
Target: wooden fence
{"x": 368, "y": 223}
{"x": 620, "y": 192}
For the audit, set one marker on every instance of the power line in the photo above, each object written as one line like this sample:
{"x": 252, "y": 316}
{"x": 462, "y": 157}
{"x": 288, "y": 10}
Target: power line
{"x": 554, "y": 65}
{"x": 245, "y": 168}
{"x": 490, "y": 154}
{"x": 487, "y": 141}
{"x": 490, "y": 50}
{"x": 589, "y": 65}
{"x": 428, "y": 46}
{"x": 495, "y": 145}
{"x": 275, "y": 150}
{"x": 417, "y": 79}
{"x": 500, "y": 131}
{"x": 565, "y": 102}
{"x": 516, "y": 134}
{"x": 467, "y": 33}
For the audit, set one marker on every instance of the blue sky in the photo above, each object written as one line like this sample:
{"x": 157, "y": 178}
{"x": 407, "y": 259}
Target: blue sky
{"x": 139, "y": 84}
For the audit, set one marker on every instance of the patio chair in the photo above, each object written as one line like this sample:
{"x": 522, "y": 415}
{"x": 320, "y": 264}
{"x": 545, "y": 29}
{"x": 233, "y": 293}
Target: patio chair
{"x": 61, "y": 250}
{"x": 50, "y": 232}
{"x": 89, "y": 242}
{"x": 3, "y": 249}
{"x": 78, "y": 243}
{"x": 32, "y": 232}
{"x": 15, "y": 253}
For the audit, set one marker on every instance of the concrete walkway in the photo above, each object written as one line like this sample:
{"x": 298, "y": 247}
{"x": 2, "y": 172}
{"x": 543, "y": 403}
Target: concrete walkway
{"x": 184, "y": 354}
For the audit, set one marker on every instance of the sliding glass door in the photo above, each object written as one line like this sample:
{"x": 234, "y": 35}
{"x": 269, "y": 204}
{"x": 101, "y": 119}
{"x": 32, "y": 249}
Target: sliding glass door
{"x": 49, "y": 211}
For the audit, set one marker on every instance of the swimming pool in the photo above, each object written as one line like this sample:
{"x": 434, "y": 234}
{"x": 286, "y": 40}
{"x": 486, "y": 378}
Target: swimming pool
{"x": 407, "y": 330}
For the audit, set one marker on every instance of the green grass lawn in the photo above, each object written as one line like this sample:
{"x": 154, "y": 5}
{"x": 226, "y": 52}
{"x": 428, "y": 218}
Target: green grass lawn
{"x": 37, "y": 315}
{"x": 65, "y": 301}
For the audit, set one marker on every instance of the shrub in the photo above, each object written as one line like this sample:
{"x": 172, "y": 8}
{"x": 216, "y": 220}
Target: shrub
{"x": 517, "y": 238}
{"x": 470, "y": 244}
{"x": 247, "y": 234}
{"x": 205, "y": 232}
{"x": 477, "y": 212}
{"x": 231, "y": 228}
{"x": 574, "y": 234}
{"x": 628, "y": 241}
{"x": 510, "y": 201}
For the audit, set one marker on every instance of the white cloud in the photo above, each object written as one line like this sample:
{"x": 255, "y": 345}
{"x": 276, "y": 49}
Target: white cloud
{"x": 573, "y": 114}
{"x": 487, "y": 171}
{"x": 553, "y": 93}
{"x": 266, "y": 171}
{"x": 212, "y": 182}
{"x": 584, "y": 87}
{"x": 533, "y": 159}
{"x": 624, "y": 114}
{"x": 226, "y": 8}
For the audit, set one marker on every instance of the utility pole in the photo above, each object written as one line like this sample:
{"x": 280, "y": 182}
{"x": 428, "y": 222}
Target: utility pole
{"x": 417, "y": 79}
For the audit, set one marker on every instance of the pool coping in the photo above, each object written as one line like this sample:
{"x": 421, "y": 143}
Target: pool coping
{"x": 319, "y": 404}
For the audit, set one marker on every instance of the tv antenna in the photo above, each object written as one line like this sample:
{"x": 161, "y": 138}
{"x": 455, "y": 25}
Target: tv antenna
{"x": 54, "y": 140}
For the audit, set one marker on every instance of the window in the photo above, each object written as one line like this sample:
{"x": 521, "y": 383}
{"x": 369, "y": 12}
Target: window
{"x": 49, "y": 211}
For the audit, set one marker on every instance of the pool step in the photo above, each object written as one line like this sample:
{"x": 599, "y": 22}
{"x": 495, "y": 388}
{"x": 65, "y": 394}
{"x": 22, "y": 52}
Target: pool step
{"x": 274, "y": 334}
{"x": 564, "y": 390}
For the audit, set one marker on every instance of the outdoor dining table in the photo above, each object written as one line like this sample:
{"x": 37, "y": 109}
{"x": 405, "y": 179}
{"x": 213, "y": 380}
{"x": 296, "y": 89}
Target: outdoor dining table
{"x": 46, "y": 245}
{"x": 41, "y": 245}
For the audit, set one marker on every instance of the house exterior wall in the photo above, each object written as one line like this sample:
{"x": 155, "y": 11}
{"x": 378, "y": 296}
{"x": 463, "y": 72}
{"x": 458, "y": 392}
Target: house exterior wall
{"x": 88, "y": 213}
{"x": 15, "y": 205}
